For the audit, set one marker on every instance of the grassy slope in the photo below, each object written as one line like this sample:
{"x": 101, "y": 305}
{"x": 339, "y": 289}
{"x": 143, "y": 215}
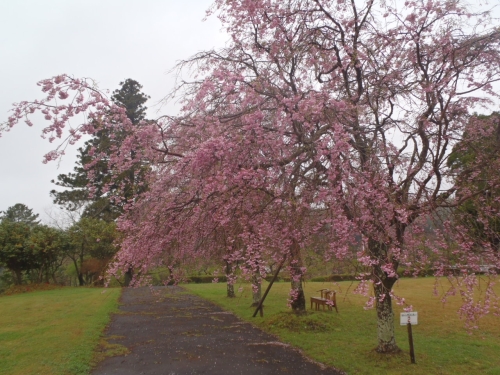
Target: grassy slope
{"x": 346, "y": 340}
{"x": 53, "y": 332}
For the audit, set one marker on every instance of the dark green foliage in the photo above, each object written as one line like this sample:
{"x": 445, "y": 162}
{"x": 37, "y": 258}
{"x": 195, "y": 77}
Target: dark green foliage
{"x": 6, "y": 279}
{"x": 90, "y": 242}
{"x": 14, "y": 253}
{"x": 342, "y": 277}
{"x": 131, "y": 97}
{"x": 206, "y": 279}
{"x": 48, "y": 245}
{"x": 90, "y": 246}
{"x": 95, "y": 235}
{"x": 20, "y": 213}
{"x": 480, "y": 214}
{"x": 352, "y": 277}
{"x": 77, "y": 194}
{"x": 29, "y": 250}
{"x": 203, "y": 279}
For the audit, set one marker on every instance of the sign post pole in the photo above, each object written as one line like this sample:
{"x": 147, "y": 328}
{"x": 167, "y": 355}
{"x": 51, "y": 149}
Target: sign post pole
{"x": 410, "y": 339}
{"x": 409, "y": 319}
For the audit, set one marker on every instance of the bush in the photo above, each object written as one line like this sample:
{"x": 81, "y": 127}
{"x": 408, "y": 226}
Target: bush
{"x": 410, "y": 273}
{"x": 330, "y": 278}
{"x": 6, "y": 279}
{"x": 268, "y": 278}
{"x": 159, "y": 276}
{"x": 205, "y": 279}
{"x": 350, "y": 277}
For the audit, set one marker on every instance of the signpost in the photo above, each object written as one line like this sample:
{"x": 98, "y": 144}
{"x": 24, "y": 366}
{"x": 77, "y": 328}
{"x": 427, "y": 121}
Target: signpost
{"x": 408, "y": 319}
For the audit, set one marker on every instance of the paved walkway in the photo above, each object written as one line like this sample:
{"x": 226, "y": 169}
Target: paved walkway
{"x": 175, "y": 333}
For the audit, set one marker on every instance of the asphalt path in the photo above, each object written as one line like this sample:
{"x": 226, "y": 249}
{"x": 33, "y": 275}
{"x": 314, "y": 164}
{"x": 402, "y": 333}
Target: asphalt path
{"x": 171, "y": 332}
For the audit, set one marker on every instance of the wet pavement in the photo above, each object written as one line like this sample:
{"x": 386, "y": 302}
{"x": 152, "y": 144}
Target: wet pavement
{"x": 171, "y": 332}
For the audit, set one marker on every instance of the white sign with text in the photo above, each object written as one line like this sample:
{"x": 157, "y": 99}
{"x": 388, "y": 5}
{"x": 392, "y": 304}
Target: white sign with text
{"x": 409, "y": 317}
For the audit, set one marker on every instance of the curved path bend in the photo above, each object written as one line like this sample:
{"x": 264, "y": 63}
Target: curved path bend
{"x": 172, "y": 332}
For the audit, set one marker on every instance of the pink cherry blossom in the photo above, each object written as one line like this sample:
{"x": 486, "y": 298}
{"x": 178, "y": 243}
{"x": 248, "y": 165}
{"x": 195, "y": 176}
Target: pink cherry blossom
{"x": 319, "y": 120}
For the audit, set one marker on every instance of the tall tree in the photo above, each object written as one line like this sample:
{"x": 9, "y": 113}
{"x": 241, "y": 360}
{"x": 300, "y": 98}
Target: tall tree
{"x": 14, "y": 252}
{"x": 28, "y": 248}
{"x": 16, "y": 225}
{"x": 349, "y": 108}
{"x": 90, "y": 238}
{"x": 328, "y": 106}
{"x": 129, "y": 96}
{"x": 47, "y": 245}
{"x": 479, "y": 154}
{"x": 95, "y": 198}
{"x": 20, "y": 213}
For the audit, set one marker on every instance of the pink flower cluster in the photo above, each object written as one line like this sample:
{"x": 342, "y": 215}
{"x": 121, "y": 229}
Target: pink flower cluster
{"x": 319, "y": 120}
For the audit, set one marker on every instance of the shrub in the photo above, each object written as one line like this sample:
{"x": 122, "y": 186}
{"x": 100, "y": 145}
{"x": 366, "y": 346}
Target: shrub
{"x": 339, "y": 277}
{"x": 204, "y": 279}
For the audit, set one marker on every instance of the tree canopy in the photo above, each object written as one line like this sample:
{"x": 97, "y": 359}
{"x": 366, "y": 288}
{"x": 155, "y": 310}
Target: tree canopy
{"x": 474, "y": 161}
{"x": 28, "y": 247}
{"x": 14, "y": 252}
{"x": 36, "y": 253}
{"x": 319, "y": 116}
{"x": 20, "y": 213}
{"x": 79, "y": 192}
{"x": 90, "y": 246}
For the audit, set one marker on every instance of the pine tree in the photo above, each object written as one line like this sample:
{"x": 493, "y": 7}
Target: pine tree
{"x": 20, "y": 213}
{"x": 77, "y": 194}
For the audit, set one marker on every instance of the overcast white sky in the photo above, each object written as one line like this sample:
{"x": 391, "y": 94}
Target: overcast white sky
{"x": 107, "y": 40}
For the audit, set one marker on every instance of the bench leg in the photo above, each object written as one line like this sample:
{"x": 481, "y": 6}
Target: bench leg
{"x": 315, "y": 304}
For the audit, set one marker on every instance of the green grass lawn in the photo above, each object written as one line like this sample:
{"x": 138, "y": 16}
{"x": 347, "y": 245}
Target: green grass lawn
{"x": 53, "y": 332}
{"x": 347, "y": 340}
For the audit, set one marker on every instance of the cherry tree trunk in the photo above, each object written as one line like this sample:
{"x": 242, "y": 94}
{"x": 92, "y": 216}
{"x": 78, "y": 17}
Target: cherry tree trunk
{"x": 298, "y": 300}
{"x": 382, "y": 287}
{"x": 230, "y": 290}
{"x": 256, "y": 289}
{"x": 229, "y": 280}
{"x": 128, "y": 276}
{"x": 385, "y": 321}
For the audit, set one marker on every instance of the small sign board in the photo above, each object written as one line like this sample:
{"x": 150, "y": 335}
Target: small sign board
{"x": 409, "y": 317}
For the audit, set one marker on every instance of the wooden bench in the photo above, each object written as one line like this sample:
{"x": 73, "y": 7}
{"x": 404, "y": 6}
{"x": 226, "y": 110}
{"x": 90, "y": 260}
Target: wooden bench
{"x": 327, "y": 299}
